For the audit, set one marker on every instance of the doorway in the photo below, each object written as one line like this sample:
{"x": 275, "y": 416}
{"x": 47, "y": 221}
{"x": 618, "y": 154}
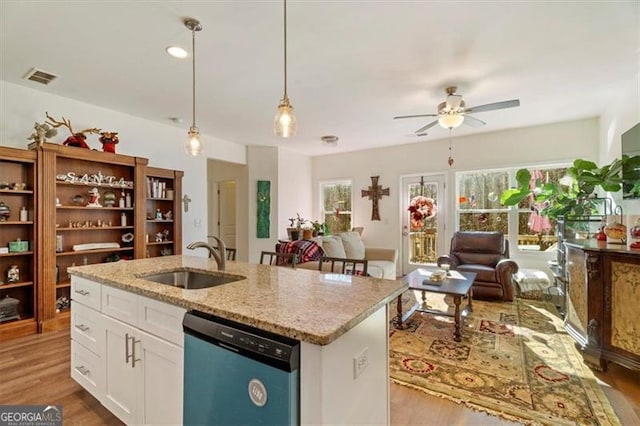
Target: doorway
{"x": 422, "y": 230}
{"x": 226, "y": 212}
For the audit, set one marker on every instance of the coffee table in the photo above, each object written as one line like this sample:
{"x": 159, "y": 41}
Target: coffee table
{"x": 456, "y": 284}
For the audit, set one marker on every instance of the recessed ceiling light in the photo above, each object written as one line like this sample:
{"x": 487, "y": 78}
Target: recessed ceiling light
{"x": 177, "y": 52}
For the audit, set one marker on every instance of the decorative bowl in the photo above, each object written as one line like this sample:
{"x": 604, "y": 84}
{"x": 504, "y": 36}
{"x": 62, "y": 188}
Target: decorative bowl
{"x": 79, "y": 200}
{"x": 615, "y": 231}
{"x": 439, "y": 275}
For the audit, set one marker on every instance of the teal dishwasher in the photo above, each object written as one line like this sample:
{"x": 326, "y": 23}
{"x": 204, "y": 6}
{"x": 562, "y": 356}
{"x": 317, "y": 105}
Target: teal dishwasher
{"x": 235, "y": 374}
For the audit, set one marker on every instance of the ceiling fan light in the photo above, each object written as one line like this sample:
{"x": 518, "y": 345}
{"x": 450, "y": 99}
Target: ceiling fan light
{"x": 177, "y": 52}
{"x": 451, "y": 121}
{"x": 194, "y": 145}
{"x": 284, "y": 124}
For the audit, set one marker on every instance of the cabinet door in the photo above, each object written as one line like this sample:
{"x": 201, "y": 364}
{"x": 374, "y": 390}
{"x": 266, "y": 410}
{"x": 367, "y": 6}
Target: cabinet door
{"x": 122, "y": 377}
{"x": 161, "y": 390}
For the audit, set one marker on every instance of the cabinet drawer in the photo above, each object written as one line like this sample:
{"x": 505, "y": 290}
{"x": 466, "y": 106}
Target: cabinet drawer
{"x": 85, "y": 292}
{"x": 120, "y": 304}
{"x": 87, "y": 369}
{"x": 161, "y": 319}
{"x": 87, "y": 327}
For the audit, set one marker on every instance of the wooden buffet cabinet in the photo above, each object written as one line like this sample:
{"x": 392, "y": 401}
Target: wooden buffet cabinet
{"x": 59, "y": 219}
{"x": 603, "y": 295}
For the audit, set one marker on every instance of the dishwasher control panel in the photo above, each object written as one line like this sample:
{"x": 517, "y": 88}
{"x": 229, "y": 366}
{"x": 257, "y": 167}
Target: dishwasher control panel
{"x": 278, "y": 351}
{"x": 250, "y": 342}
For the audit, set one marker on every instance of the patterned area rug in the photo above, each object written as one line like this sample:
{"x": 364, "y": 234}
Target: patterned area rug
{"x": 515, "y": 361}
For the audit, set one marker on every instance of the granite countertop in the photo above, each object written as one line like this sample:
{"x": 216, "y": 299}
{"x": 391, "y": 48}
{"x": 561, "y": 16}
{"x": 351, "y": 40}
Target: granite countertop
{"x": 302, "y": 304}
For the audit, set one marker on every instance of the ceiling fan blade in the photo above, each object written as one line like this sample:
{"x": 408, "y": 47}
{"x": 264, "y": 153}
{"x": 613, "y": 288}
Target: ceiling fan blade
{"x": 415, "y": 116}
{"x": 472, "y": 121}
{"x": 453, "y": 102}
{"x": 427, "y": 127}
{"x": 491, "y": 107}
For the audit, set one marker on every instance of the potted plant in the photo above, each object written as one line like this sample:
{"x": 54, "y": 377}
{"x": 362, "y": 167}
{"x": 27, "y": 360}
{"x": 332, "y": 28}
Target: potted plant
{"x": 575, "y": 196}
{"x": 317, "y": 228}
{"x": 307, "y": 231}
{"x": 295, "y": 227}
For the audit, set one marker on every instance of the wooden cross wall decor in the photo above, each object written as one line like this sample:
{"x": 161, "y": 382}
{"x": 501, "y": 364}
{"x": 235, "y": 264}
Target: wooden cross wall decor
{"x": 375, "y": 193}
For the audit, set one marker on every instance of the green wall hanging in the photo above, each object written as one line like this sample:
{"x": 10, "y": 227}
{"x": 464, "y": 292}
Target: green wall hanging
{"x": 264, "y": 208}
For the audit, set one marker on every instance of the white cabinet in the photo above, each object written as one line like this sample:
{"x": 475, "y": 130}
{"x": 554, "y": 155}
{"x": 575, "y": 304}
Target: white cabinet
{"x": 143, "y": 376}
{"x": 121, "y": 376}
{"x": 127, "y": 351}
{"x": 87, "y": 336}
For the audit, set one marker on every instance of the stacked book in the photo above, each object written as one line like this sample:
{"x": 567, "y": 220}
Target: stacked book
{"x": 156, "y": 188}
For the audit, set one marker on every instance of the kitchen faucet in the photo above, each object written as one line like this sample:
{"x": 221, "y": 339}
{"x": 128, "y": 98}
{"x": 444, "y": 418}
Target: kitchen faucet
{"x": 219, "y": 253}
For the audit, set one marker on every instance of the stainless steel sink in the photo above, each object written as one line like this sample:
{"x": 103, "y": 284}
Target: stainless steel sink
{"x": 192, "y": 280}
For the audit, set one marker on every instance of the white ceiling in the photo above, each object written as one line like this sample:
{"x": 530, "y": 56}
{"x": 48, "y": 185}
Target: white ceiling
{"x": 353, "y": 65}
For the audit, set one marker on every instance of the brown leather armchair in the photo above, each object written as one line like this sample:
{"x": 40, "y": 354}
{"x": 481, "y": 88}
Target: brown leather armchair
{"x": 486, "y": 254}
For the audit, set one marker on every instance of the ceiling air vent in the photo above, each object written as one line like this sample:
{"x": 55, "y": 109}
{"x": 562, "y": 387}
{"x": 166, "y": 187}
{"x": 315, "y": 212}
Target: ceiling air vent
{"x": 40, "y": 76}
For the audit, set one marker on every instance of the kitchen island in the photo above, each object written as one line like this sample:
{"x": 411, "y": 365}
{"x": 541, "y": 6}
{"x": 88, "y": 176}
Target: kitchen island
{"x": 338, "y": 319}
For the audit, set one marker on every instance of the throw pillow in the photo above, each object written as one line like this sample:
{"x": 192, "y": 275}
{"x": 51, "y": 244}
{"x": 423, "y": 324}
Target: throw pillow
{"x": 353, "y": 245}
{"x": 306, "y": 250}
{"x": 333, "y": 247}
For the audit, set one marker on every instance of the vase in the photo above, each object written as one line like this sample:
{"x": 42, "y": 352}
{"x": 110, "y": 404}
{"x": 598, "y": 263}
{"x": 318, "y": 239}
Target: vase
{"x": 307, "y": 234}
{"x": 295, "y": 235}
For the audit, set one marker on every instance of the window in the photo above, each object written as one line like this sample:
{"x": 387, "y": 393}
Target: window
{"x": 336, "y": 205}
{"x": 479, "y": 207}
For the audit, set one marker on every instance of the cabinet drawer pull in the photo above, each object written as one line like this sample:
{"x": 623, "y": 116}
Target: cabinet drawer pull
{"x": 82, "y": 327}
{"x": 84, "y": 371}
{"x": 82, "y": 292}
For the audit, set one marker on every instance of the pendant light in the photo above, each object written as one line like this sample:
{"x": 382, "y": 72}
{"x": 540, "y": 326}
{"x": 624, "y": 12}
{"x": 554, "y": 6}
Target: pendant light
{"x": 194, "y": 145}
{"x": 285, "y": 121}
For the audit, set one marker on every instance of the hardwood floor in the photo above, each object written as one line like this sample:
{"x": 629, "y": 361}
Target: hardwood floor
{"x": 35, "y": 370}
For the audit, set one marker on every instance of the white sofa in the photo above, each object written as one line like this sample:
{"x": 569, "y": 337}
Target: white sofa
{"x": 381, "y": 262}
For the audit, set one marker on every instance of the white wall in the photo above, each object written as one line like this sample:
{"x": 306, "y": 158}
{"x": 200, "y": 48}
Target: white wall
{"x": 622, "y": 116}
{"x": 294, "y": 181}
{"x": 262, "y": 162}
{"x": 161, "y": 144}
{"x": 548, "y": 144}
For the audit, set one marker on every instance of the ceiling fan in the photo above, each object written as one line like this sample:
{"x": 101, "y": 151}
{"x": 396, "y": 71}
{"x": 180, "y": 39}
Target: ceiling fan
{"x": 452, "y": 113}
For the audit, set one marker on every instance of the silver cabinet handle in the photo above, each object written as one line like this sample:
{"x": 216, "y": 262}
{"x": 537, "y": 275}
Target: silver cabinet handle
{"x": 84, "y": 371}
{"x": 82, "y": 327}
{"x": 82, "y": 292}
{"x": 133, "y": 352}
{"x": 126, "y": 348}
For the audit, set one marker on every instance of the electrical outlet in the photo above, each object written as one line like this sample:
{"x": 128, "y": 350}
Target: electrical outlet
{"x": 197, "y": 223}
{"x": 360, "y": 362}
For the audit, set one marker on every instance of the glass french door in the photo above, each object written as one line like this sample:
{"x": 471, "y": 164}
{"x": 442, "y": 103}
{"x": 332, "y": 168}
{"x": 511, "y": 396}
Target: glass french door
{"x": 423, "y": 226}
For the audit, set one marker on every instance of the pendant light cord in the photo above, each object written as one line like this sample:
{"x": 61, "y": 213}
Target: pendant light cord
{"x": 285, "y": 49}
{"x": 193, "y": 74}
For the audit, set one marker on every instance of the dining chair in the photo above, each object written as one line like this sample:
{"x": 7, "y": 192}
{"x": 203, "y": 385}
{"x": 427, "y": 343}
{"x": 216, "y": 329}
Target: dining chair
{"x": 278, "y": 259}
{"x": 231, "y": 253}
{"x": 344, "y": 266}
